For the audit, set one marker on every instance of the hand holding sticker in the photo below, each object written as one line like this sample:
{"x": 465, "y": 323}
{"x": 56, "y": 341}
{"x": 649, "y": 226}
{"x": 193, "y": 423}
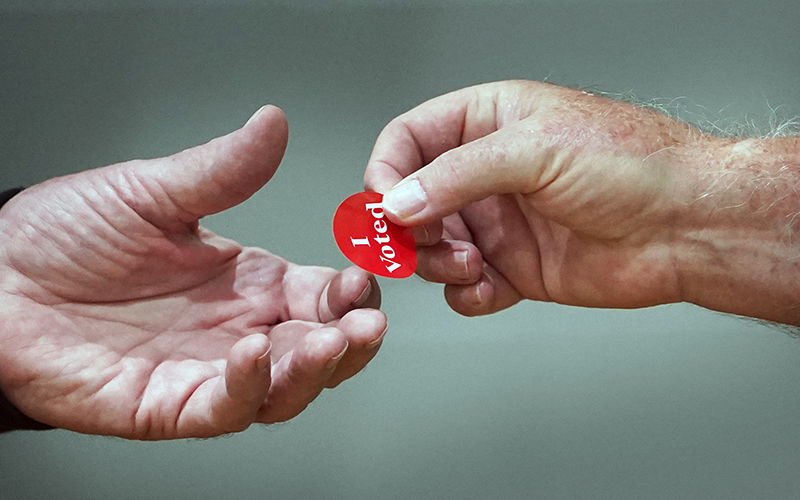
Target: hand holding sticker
{"x": 371, "y": 241}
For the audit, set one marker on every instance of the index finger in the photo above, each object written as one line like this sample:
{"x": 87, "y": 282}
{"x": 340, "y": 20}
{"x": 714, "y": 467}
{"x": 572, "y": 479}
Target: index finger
{"x": 417, "y": 137}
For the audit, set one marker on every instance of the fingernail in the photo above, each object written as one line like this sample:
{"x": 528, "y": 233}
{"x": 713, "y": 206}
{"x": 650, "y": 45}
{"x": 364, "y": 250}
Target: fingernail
{"x": 405, "y": 199}
{"x": 481, "y": 291}
{"x": 255, "y": 115}
{"x": 461, "y": 260}
{"x": 424, "y": 235}
{"x": 362, "y": 299}
{"x": 335, "y": 360}
{"x": 375, "y": 343}
{"x": 474, "y": 296}
{"x": 263, "y": 361}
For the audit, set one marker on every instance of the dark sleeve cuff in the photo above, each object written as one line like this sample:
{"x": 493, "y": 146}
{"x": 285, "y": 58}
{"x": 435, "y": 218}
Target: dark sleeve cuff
{"x": 8, "y": 194}
{"x": 10, "y": 417}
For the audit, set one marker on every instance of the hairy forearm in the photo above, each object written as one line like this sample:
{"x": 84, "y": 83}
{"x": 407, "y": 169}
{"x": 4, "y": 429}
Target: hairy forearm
{"x": 739, "y": 248}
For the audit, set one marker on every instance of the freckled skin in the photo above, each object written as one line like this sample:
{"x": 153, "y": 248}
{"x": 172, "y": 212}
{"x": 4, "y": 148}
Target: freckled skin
{"x": 557, "y": 194}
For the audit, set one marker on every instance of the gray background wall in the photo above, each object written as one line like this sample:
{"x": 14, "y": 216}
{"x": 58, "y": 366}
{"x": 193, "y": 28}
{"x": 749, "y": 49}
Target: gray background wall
{"x": 541, "y": 401}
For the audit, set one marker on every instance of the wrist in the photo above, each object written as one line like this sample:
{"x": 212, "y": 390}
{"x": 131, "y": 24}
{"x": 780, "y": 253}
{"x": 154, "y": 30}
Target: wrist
{"x": 738, "y": 248}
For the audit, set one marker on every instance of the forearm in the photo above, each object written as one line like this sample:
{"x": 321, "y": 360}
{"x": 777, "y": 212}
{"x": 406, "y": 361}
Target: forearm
{"x": 739, "y": 249}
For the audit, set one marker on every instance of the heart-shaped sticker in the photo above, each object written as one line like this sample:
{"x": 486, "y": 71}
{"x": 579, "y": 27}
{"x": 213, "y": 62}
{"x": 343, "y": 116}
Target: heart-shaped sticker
{"x": 370, "y": 240}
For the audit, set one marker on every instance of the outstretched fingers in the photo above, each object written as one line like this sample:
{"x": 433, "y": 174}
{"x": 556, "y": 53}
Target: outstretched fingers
{"x": 324, "y": 357}
{"x": 300, "y": 375}
{"x": 230, "y": 403}
{"x": 364, "y": 330}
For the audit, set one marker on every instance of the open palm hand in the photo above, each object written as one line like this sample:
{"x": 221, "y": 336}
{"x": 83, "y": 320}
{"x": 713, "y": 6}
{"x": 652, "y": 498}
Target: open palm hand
{"x": 122, "y": 316}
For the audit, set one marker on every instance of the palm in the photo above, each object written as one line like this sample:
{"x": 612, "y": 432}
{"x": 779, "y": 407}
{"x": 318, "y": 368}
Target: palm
{"x": 538, "y": 258}
{"x": 131, "y": 320}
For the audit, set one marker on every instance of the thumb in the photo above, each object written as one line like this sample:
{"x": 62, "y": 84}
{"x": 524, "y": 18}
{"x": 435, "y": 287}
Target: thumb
{"x": 506, "y": 161}
{"x": 223, "y": 172}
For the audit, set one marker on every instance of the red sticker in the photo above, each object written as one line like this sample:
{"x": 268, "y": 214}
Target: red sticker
{"x": 370, "y": 240}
